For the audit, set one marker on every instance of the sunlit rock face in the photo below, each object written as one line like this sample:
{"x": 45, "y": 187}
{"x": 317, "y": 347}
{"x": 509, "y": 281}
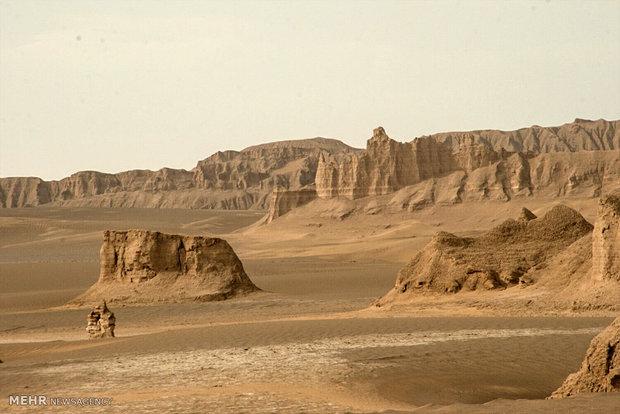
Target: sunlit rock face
{"x": 577, "y": 159}
{"x": 141, "y": 266}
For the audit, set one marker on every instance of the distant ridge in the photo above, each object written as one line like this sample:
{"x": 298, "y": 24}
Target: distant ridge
{"x": 581, "y": 158}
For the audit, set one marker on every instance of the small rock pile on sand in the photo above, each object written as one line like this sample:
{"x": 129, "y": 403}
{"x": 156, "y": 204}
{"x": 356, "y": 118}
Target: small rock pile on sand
{"x": 140, "y": 266}
{"x": 600, "y": 370}
{"x": 100, "y": 322}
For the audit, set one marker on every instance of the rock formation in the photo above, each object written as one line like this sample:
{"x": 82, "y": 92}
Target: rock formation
{"x": 557, "y": 262}
{"x": 507, "y": 255}
{"x": 384, "y": 167}
{"x": 606, "y": 240}
{"x": 283, "y": 201}
{"x": 100, "y": 322}
{"x": 600, "y": 370}
{"x": 579, "y": 159}
{"x": 226, "y": 180}
{"x": 140, "y": 266}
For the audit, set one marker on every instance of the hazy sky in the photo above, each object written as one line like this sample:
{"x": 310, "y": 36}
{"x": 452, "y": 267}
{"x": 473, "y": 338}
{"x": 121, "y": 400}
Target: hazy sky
{"x": 120, "y": 85}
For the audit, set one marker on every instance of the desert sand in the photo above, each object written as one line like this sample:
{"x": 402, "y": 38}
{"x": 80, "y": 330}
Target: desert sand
{"x": 455, "y": 272}
{"x": 308, "y": 341}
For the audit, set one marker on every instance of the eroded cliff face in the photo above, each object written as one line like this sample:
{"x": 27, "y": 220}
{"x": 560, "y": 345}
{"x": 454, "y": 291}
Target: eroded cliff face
{"x": 581, "y": 159}
{"x": 606, "y": 241}
{"x": 582, "y": 174}
{"x": 283, "y": 201}
{"x": 600, "y": 369}
{"x": 140, "y": 266}
{"x": 226, "y": 180}
{"x": 23, "y": 192}
{"x": 384, "y": 167}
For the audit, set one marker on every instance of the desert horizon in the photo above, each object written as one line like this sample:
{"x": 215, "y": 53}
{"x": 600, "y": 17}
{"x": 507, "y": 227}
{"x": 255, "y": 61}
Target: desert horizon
{"x": 164, "y": 247}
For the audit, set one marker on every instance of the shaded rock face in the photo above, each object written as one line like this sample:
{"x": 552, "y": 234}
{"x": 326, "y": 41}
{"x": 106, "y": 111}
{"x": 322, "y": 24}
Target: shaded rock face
{"x": 577, "y": 159}
{"x": 600, "y": 370}
{"x": 233, "y": 180}
{"x": 283, "y": 201}
{"x": 100, "y": 322}
{"x": 23, "y": 192}
{"x": 583, "y": 174}
{"x": 140, "y": 266}
{"x": 508, "y": 255}
{"x": 606, "y": 240}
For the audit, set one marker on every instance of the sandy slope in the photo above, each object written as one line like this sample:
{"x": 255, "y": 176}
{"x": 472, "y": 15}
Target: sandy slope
{"x": 305, "y": 344}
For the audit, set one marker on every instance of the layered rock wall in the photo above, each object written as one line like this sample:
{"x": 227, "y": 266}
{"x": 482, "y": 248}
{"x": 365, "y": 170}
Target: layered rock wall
{"x": 580, "y": 158}
{"x": 583, "y": 174}
{"x": 226, "y": 180}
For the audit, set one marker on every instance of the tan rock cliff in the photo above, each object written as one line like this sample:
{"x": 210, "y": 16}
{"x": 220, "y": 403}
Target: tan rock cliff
{"x": 577, "y": 159}
{"x": 283, "y": 201}
{"x": 226, "y": 180}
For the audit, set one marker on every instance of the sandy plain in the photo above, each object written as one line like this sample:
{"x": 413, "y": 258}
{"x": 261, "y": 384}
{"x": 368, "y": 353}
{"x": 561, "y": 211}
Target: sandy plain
{"x": 306, "y": 343}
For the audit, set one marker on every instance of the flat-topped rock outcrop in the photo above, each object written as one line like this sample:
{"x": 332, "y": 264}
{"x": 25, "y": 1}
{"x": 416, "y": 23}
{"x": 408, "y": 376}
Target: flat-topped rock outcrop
{"x": 600, "y": 369}
{"x": 140, "y": 266}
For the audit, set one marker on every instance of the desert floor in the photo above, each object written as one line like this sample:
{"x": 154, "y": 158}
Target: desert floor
{"x": 307, "y": 343}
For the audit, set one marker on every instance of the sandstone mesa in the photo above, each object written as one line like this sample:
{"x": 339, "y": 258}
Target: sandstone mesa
{"x": 140, "y": 266}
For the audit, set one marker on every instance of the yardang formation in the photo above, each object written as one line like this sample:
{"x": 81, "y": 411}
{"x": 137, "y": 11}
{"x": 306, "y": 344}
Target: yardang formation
{"x": 139, "y": 266}
{"x": 557, "y": 262}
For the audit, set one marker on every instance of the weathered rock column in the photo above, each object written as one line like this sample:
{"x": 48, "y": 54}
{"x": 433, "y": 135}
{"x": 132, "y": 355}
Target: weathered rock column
{"x": 606, "y": 240}
{"x": 100, "y": 322}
